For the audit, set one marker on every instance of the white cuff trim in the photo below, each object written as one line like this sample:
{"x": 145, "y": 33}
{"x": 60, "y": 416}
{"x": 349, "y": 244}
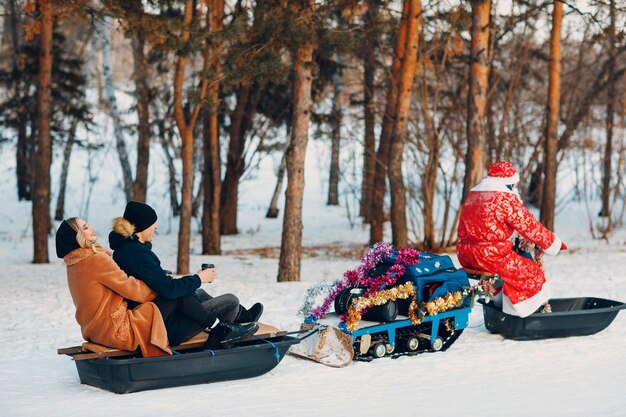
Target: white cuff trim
{"x": 493, "y": 184}
{"x": 510, "y": 180}
{"x": 527, "y": 307}
{"x": 555, "y": 247}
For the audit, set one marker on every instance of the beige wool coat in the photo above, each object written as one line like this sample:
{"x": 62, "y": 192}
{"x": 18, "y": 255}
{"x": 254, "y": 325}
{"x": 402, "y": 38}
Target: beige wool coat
{"x": 98, "y": 288}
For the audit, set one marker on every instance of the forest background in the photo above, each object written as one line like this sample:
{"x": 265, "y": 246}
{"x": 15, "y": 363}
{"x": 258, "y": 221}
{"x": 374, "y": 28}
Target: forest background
{"x": 413, "y": 100}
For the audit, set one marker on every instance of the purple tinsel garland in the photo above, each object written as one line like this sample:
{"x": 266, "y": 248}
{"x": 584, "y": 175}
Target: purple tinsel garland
{"x": 360, "y": 277}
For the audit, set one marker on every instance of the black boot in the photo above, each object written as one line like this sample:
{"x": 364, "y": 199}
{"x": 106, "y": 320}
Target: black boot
{"x": 249, "y": 315}
{"x": 224, "y": 335}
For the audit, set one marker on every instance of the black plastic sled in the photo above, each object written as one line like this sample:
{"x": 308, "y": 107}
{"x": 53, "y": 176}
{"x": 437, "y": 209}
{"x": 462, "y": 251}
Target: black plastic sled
{"x": 569, "y": 317}
{"x": 124, "y": 375}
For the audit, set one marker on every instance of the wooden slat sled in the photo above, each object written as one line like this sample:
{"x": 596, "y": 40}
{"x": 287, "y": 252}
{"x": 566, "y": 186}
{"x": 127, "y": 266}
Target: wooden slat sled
{"x": 90, "y": 350}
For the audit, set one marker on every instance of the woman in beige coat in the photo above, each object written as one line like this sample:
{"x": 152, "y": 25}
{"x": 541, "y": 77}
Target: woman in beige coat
{"x": 98, "y": 288}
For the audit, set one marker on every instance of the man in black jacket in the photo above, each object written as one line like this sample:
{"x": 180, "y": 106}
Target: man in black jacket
{"x": 177, "y": 299}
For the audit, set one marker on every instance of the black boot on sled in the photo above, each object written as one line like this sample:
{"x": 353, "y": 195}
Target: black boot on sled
{"x": 249, "y": 315}
{"x": 224, "y": 335}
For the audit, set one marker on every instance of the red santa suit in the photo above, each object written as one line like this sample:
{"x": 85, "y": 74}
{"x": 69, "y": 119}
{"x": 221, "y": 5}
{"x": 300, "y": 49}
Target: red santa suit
{"x": 490, "y": 215}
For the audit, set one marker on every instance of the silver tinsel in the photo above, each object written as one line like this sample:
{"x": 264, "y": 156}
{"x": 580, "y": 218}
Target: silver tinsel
{"x": 312, "y": 293}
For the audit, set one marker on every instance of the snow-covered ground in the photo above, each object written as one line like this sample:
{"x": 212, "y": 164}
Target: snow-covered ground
{"x": 482, "y": 374}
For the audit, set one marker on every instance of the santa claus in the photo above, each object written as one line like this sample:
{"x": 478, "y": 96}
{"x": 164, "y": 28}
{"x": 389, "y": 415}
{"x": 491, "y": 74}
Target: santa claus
{"x": 490, "y": 217}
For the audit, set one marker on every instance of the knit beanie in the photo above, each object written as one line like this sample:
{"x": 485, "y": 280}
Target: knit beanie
{"x": 65, "y": 239}
{"x": 140, "y": 215}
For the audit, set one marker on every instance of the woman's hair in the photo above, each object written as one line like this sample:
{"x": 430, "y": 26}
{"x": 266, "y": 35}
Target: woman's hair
{"x": 81, "y": 239}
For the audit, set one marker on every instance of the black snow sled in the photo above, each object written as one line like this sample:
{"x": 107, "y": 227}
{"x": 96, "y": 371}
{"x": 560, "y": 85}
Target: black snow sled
{"x": 124, "y": 372}
{"x": 580, "y": 316}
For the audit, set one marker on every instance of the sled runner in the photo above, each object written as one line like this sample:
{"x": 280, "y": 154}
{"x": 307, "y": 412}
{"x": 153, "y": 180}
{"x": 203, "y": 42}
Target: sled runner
{"x": 124, "y": 372}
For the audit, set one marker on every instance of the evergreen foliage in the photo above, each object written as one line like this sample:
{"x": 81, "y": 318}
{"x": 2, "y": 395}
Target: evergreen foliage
{"x": 68, "y": 89}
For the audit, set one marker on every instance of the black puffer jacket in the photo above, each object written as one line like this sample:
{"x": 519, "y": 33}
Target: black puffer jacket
{"x": 138, "y": 260}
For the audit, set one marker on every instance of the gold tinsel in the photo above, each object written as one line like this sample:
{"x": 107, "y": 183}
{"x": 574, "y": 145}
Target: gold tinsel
{"x": 445, "y": 303}
{"x": 413, "y": 312}
{"x": 416, "y": 314}
{"x": 353, "y": 316}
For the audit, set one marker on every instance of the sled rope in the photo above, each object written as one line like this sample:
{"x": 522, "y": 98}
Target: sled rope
{"x": 276, "y": 352}
{"x": 212, "y": 354}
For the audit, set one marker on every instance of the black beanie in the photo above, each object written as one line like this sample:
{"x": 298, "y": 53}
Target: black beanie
{"x": 140, "y": 215}
{"x": 65, "y": 239}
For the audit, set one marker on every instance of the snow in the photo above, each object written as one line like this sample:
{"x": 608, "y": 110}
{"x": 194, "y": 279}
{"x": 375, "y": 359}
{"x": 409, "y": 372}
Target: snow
{"x": 482, "y": 374}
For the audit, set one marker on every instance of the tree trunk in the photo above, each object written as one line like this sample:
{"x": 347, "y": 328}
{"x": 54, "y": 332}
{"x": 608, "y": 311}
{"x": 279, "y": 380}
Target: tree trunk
{"x": 142, "y": 92}
{"x": 212, "y": 187}
{"x": 241, "y": 122}
{"x": 234, "y": 163}
{"x": 377, "y": 215}
{"x": 429, "y": 180}
{"x": 23, "y": 157}
{"x": 166, "y": 139}
{"x": 400, "y": 134}
{"x": 605, "y": 211}
{"x": 477, "y": 95}
{"x": 291, "y": 241}
{"x": 212, "y": 174}
{"x": 186, "y": 133}
{"x": 369, "y": 116}
{"x": 554, "y": 95}
{"x": 114, "y": 113}
{"x": 23, "y": 148}
{"x": 67, "y": 153}
{"x": 272, "y": 211}
{"x": 184, "y": 231}
{"x": 535, "y": 187}
{"x": 429, "y": 186}
{"x": 186, "y": 126}
{"x": 31, "y": 145}
{"x": 336, "y": 119}
{"x": 494, "y": 151}
{"x": 43, "y": 150}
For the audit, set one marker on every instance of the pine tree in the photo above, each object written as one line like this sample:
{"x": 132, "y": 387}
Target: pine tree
{"x": 212, "y": 172}
{"x": 377, "y": 215}
{"x": 291, "y": 241}
{"x": 400, "y": 132}
{"x": 18, "y": 110}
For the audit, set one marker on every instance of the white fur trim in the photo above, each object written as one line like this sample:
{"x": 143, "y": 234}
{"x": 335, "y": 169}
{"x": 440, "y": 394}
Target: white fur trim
{"x": 492, "y": 184}
{"x": 554, "y": 248}
{"x": 527, "y": 307}
{"x": 507, "y": 180}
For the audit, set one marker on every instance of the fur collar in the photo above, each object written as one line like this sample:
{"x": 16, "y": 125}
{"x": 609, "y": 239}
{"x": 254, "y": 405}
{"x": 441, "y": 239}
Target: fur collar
{"x": 79, "y": 255}
{"x": 494, "y": 184}
{"x": 123, "y": 227}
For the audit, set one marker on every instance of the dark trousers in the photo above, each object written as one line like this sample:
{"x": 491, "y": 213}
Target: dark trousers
{"x": 181, "y": 315}
{"x": 225, "y": 307}
{"x": 187, "y": 316}
{"x": 188, "y": 306}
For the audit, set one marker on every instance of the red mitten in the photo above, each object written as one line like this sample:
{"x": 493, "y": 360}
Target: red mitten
{"x": 563, "y": 246}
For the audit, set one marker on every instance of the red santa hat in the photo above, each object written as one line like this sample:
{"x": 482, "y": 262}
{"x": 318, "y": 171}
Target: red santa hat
{"x": 503, "y": 172}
